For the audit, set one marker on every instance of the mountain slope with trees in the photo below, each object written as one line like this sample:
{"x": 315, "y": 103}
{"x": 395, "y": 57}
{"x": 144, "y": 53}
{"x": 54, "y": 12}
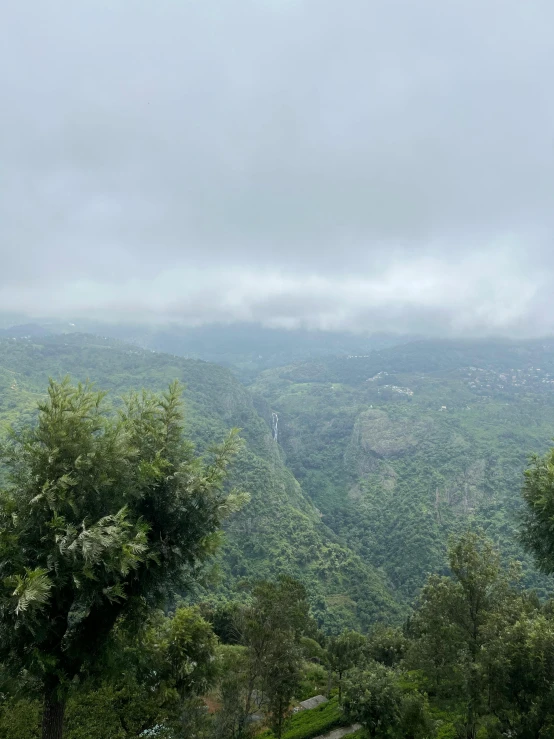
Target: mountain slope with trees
{"x": 101, "y": 507}
{"x": 279, "y": 531}
{"x": 404, "y": 446}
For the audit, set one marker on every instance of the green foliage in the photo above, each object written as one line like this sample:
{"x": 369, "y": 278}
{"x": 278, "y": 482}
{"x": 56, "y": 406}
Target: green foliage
{"x": 157, "y": 673}
{"x": 265, "y": 673}
{"x": 344, "y": 652}
{"x": 224, "y": 619}
{"x": 458, "y": 620}
{"x": 272, "y": 628}
{"x": 313, "y": 650}
{"x": 521, "y": 665}
{"x": 19, "y": 719}
{"x": 538, "y": 494}
{"x": 415, "y": 720}
{"x": 446, "y": 722}
{"x": 393, "y": 477}
{"x": 394, "y": 474}
{"x": 387, "y": 645}
{"x": 238, "y": 698}
{"x": 278, "y": 531}
{"x": 373, "y": 698}
{"x": 114, "y": 712}
{"x": 185, "y": 648}
{"x": 281, "y": 680}
{"x": 314, "y": 680}
{"x": 483, "y": 648}
{"x": 100, "y": 516}
{"x": 313, "y": 722}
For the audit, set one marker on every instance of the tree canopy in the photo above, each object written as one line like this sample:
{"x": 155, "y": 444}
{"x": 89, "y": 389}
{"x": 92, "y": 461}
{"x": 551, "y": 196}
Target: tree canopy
{"x": 103, "y": 513}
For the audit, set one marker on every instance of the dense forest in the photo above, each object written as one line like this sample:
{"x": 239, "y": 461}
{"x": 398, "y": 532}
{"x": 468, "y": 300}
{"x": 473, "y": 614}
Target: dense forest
{"x": 279, "y": 531}
{"x": 405, "y": 446}
{"x": 194, "y": 556}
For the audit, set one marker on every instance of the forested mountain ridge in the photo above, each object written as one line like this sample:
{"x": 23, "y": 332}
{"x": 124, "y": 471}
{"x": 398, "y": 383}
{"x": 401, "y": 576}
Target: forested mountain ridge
{"x": 279, "y": 530}
{"x": 404, "y": 446}
{"x": 245, "y": 347}
{"x": 394, "y": 450}
{"x": 359, "y": 468}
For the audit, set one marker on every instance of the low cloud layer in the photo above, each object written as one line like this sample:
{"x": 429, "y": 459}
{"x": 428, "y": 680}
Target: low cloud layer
{"x": 382, "y": 165}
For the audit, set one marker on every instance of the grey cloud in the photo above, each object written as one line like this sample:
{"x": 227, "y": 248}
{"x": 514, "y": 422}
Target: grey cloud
{"x": 149, "y": 150}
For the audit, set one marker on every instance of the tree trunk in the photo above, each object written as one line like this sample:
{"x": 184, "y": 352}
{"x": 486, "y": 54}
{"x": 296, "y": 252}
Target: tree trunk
{"x": 471, "y": 726}
{"x": 52, "y": 717}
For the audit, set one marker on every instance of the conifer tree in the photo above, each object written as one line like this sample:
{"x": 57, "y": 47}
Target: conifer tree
{"x": 102, "y": 514}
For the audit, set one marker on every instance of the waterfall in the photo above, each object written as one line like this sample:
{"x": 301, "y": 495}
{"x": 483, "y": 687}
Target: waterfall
{"x": 275, "y": 425}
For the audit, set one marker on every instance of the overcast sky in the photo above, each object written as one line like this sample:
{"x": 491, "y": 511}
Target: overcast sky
{"x": 358, "y": 164}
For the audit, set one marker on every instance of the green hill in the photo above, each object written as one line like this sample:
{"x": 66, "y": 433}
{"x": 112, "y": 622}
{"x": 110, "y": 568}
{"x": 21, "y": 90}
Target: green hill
{"x": 403, "y": 446}
{"x": 280, "y": 530}
{"x": 379, "y": 457}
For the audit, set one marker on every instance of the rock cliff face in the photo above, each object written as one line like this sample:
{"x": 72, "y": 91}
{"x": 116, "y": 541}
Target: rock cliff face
{"x": 377, "y": 436}
{"x": 378, "y": 440}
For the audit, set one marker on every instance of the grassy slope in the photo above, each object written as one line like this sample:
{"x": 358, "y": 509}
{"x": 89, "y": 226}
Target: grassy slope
{"x": 313, "y": 722}
{"x": 279, "y": 531}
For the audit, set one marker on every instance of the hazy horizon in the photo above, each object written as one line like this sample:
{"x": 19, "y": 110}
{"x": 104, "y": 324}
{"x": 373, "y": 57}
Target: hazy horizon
{"x": 357, "y": 166}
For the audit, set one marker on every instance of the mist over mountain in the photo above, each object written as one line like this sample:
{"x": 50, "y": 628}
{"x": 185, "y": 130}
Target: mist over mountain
{"x": 246, "y": 348}
{"x": 327, "y": 228}
{"x": 368, "y": 167}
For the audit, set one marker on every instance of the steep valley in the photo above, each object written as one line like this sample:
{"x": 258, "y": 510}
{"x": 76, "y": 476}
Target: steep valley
{"x": 359, "y": 468}
{"x": 403, "y": 447}
{"x": 279, "y": 530}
